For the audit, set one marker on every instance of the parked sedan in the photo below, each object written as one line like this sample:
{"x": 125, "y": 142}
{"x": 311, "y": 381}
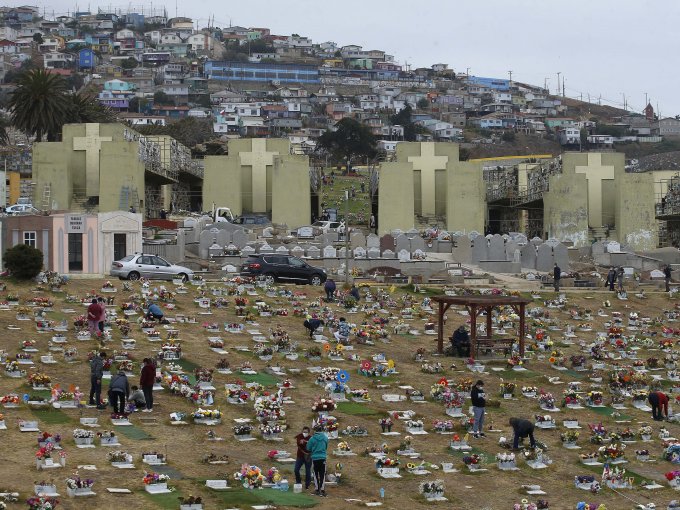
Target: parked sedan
{"x": 273, "y": 267}
{"x": 133, "y": 267}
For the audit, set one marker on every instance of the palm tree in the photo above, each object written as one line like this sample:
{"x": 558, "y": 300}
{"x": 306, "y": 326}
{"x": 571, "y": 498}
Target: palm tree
{"x": 39, "y": 104}
{"x": 85, "y": 108}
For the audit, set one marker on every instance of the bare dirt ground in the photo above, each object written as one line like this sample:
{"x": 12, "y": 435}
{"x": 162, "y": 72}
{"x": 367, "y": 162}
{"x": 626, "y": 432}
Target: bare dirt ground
{"x": 187, "y": 445}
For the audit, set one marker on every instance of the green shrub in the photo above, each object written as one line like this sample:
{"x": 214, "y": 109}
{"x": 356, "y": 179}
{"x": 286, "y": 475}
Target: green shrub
{"x": 23, "y": 262}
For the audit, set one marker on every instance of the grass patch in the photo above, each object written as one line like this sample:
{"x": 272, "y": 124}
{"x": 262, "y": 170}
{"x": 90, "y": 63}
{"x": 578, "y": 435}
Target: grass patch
{"x": 574, "y": 374}
{"x": 188, "y": 367}
{"x": 168, "y": 501}
{"x": 608, "y": 411}
{"x": 246, "y": 497}
{"x": 51, "y": 416}
{"x": 356, "y": 409}
{"x": 261, "y": 378}
{"x": 171, "y": 472}
{"x": 132, "y": 432}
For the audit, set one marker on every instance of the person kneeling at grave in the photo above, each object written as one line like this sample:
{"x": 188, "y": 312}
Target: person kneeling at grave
{"x": 312, "y": 324}
{"x": 522, "y": 429}
{"x": 154, "y": 312}
{"x": 137, "y": 398}
{"x": 460, "y": 343}
{"x": 342, "y": 334}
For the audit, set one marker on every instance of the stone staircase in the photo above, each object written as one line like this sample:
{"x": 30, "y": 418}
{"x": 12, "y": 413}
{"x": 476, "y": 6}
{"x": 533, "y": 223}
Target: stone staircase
{"x": 82, "y": 204}
{"x": 603, "y": 234}
{"x": 425, "y": 222}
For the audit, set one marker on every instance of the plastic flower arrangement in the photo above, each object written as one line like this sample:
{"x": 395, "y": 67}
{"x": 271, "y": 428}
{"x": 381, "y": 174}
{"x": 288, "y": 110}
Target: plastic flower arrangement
{"x": 323, "y": 405}
{"x": 250, "y": 476}
{"x": 151, "y": 478}
{"x": 507, "y": 388}
{"x": 76, "y": 482}
{"x": 386, "y": 462}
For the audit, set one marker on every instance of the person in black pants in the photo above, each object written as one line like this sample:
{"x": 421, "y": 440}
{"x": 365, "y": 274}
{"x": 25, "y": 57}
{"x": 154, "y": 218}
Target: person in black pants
{"x": 312, "y": 325}
{"x": 460, "y": 342}
{"x": 659, "y": 402}
{"x": 557, "y": 276}
{"x": 96, "y": 374}
{"x": 119, "y": 391}
{"x": 522, "y": 428}
{"x": 611, "y": 278}
{"x": 329, "y": 287}
{"x": 146, "y": 381}
{"x": 667, "y": 276}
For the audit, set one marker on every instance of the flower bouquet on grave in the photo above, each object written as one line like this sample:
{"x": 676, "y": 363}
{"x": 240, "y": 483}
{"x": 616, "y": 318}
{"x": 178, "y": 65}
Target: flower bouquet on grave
{"x": 324, "y": 405}
{"x": 577, "y": 361}
{"x": 222, "y": 364}
{"x": 595, "y": 398}
{"x": 151, "y": 478}
{"x": 42, "y": 503}
{"x": 382, "y": 450}
{"x": 507, "y": 389}
{"x": 241, "y": 301}
{"x": 443, "y": 426}
{"x": 251, "y": 477}
{"x": 80, "y": 322}
{"x": 652, "y": 363}
{"x": 10, "y": 400}
{"x": 46, "y": 438}
{"x": 216, "y": 343}
{"x": 611, "y": 452}
{"x": 39, "y": 380}
{"x": 571, "y": 398}
{"x": 544, "y": 421}
{"x": 598, "y": 433}
{"x": 386, "y": 462}
{"x": 24, "y": 356}
{"x": 44, "y": 325}
{"x": 589, "y": 458}
{"x": 556, "y": 358}
{"x": 385, "y": 424}
{"x": 546, "y": 400}
{"x": 203, "y": 375}
{"x": 264, "y": 351}
{"x": 506, "y": 460}
{"x": 420, "y": 354}
{"x": 569, "y": 436}
{"x": 432, "y": 490}
{"x": 242, "y": 430}
{"x": 626, "y": 434}
{"x": 473, "y": 461}
{"x": 270, "y": 431}
{"x": 529, "y": 391}
{"x": 645, "y": 432}
{"x": 616, "y": 478}
{"x": 360, "y": 395}
{"x": 313, "y": 353}
{"x": 206, "y": 414}
{"x": 28, "y": 345}
{"x": 642, "y": 455}
{"x": 672, "y": 453}
{"x": 415, "y": 425}
{"x": 327, "y": 375}
{"x": 673, "y": 478}
{"x": 76, "y": 482}
{"x": 45, "y": 456}
{"x": 463, "y": 385}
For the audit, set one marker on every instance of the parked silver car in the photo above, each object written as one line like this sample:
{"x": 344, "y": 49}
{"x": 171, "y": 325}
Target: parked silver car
{"x": 149, "y": 266}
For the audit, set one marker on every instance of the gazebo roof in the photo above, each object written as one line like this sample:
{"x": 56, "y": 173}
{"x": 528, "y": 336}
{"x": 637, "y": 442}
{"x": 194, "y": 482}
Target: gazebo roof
{"x": 482, "y": 300}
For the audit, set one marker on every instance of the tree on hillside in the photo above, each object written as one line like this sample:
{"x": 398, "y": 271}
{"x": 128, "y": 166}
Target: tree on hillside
{"x": 39, "y": 105}
{"x": 85, "y": 108}
{"x": 350, "y": 140}
{"x": 161, "y": 97}
{"x": 129, "y": 63}
{"x": 422, "y": 103}
{"x": 404, "y": 119}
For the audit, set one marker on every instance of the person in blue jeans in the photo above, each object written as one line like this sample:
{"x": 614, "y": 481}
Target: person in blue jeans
{"x": 478, "y": 398}
{"x": 303, "y": 457}
{"x": 317, "y": 447}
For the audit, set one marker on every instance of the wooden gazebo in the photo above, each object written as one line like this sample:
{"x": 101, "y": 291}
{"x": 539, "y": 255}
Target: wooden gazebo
{"x": 475, "y": 305}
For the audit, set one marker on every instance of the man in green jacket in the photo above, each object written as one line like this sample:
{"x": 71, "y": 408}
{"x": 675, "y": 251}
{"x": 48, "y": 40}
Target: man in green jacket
{"x": 317, "y": 446}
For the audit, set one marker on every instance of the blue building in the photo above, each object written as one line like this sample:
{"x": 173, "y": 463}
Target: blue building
{"x": 86, "y": 59}
{"x": 491, "y": 83}
{"x": 134, "y": 20}
{"x": 251, "y": 71}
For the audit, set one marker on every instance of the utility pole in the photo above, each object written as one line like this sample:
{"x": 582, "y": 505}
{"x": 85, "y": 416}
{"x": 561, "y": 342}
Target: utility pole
{"x": 624, "y": 101}
{"x": 545, "y": 84}
{"x": 510, "y": 73}
{"x": 558, "y": 82}
{"x": 563, "y": 94}
{"x": 646, "y": 102}
{"x": 467, "y": 72}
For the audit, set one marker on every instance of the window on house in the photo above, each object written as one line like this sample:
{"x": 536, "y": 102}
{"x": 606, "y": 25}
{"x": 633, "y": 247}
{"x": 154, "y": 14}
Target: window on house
{"x": 30, "y": 239}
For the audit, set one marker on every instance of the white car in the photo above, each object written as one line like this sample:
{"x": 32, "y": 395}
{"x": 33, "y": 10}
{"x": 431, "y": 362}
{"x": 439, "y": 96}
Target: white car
{"x": 21, "y": 209}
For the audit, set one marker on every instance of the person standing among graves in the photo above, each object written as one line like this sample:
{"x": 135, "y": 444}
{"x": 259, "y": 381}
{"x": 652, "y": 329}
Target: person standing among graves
{"x": 611, "y": 278}
{"x": 303, "y": 457}
{"x": 119, "y": 391}
{"x": 317, "y": 446}
{"x": 146, "y": 381}
{"x": 93, "y": 313}
{"x": 96, "y": 374}
{"x": 102, "y": 315}
{"x": 659, "y": 402}
{"x": 460, "y": 342}
{"x": 667, "y": 276}
{"x": 478, "y": 398}
{"x": 619, "y": 278}
{"x": 312, "y": 324}
{"x": 329, "y": 287}
{"x": 521, "y": 429}
{"x": 371, "y": 223}
{"x": 557, "y": 276}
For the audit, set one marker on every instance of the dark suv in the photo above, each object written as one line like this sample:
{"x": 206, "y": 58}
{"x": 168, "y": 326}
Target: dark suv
{"x": 284, "y": 268}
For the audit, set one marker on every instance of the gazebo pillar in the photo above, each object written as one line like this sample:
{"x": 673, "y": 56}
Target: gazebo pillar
{"x": 440, "y": 329}
{"x": 521, "y": 329}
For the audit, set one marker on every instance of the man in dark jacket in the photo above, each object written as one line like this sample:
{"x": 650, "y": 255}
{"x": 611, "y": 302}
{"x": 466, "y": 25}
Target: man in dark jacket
{"x": 96, "y": 374}
{"x": 460, "y": 342}
{"x": 667, "y": 276}
{"x": 522, "y": 428}
{"x": 303, "y": 457}
{"x": 146, "y": 381}
{"x": 611, "y": 278}
{"x": 478, "y": 398}
{"x": 329, "y": 287}
{"x": 659, "y": 402}
{"x": 312, "y": 325}
{"x": 119, "y": 391}
{"x": 557, "y": 276}
{"x": 354, "y": 292}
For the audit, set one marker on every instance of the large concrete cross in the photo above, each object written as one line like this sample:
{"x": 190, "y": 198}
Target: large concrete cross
{"x": 595, "y": 173}
{"x": 259, "y": 159}
{"x": 91, "y": 143}
{"x": 428, "y": 163}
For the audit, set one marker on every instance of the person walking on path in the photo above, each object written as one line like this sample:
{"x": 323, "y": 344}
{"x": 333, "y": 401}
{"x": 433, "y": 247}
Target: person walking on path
{"x": 659, "y": 402}
{"x": 667, "y": 276}
{"x": 557, "y": 276}
{"x": 119, "y": 391}
{"x": 94, "y": 311}
{"x": 317, "y": 447}
{"x": 522, "y": 428}
{"x": 96, "y": 374}
{"x": 303, "y": 457}
{"x": 329, "y": 287}
{"x": 146, "y": 381}
{"x": 611, "y": 278}
{"x": 478, "y": 398}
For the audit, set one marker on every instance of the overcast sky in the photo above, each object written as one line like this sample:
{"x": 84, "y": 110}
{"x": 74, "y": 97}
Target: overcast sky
{"x": 604, "y": 48}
